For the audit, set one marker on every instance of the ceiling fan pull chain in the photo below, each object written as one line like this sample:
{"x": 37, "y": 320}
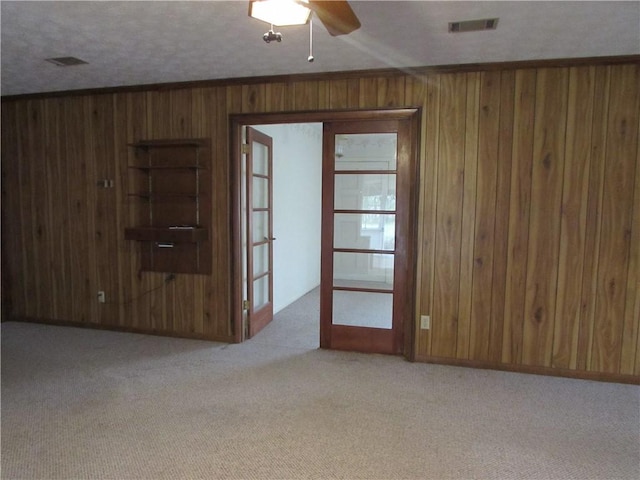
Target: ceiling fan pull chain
{"x": 310, "y": 58}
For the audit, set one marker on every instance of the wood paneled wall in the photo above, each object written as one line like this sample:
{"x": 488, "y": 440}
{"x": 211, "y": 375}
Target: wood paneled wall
{"x": 529, "y": 213}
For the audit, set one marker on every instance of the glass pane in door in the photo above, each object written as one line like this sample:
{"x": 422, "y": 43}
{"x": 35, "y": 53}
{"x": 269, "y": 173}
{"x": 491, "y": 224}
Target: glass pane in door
{"x": 261, "y": 221}
{"x": 363, "y": 309}
{"x": 366, "y": 151}
{"x": 364, "y": 221}
{"x": 261, "y": 292}
{"x": 363, "y": 270}
{"x": 365, "y": 191}
{"x": 370, "y": 231}
{"x": 260, "y": 158}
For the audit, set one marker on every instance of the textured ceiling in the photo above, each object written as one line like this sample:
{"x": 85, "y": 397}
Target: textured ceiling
{"x": 147, "y": 42}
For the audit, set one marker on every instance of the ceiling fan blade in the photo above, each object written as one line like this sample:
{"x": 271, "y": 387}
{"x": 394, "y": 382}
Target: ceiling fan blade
{"x": 337, "y": 16}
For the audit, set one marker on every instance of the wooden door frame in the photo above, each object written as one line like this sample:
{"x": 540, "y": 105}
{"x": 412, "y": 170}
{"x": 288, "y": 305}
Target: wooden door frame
{"x": 237, "y": 121}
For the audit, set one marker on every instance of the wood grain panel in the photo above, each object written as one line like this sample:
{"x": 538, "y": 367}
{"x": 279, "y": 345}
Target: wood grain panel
{"x": 630, "y": 337}
{"x": 39, "y": 234}
{"x": 474, "y": 85}
{"x": 622, "y": 135}
{"x": 344, "y": 94}
{"x": 593, "y": 227}
{"x": 450, "y": 178}
{"x": 126, "y": 254}
{"x": 546, "y": 198}
{"x": 427, "y": 91}
{"x": 101, "y": 153}
{"x": 58, "y": 217}
{"x": 218, "y": 314}
{"x": 391, "y": 92}
{"x": 368, "y": 93}
{"x": 573, "y": 218}
{"x": 13, "y": 269}
{"x": 501, "y": 231}
{"x": 278, "y": 98}
{"x": 485, "y": 206}
{"x": 519, "y": 215}
{"x": 324, "y": 95}
{"x": 253, "y": 98}
{"x": 305, "y": 95}
{"x": 78, "y": 211}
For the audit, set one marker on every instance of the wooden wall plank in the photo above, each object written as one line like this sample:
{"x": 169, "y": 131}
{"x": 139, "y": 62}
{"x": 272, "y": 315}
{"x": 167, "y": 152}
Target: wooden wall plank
{"x": 368, "y": 93}
{"x": 631, "y": 335}
{"x": 75, "y": 152}
{"x": 344, "y": 94}
{"x": 305, "y": 95}
{"x": 574, "y": 212}
{"x": 278, "y": 97}
{"x": 474, "y": 84}
{"x": 390, "y": 92}
{"x": 24, "y": 215}
{"x": 546, "y": 198}
{"x": 13, "y": 269}
{"x": 415, "y": 94}
{"x": 38, "y": 215}
{"x": 450, "y": 178}
{"x": 622, "y": 135}
{"x": 519, "y": 215}
{"x": 485, "y": 204}
{"x": 105, "y": 233}
{"x": 593, "y": 225}
{"x": 125, "y": 251}
{"x": 324, "y": 95}
{"x": 58, "y": 221}
{"x": 90, "y": 192}
{"x": 218, "y": 314}
{"x": 428, "y": 173}
{"x": 501, "y": 232}
{"x": 254, "y": 98}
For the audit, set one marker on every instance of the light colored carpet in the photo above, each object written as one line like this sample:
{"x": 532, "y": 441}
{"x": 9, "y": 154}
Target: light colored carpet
{"x": 83, "y": 404}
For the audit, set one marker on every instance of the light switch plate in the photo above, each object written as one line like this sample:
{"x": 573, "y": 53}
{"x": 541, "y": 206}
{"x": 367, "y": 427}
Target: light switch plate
{"x": 425, "y": 322}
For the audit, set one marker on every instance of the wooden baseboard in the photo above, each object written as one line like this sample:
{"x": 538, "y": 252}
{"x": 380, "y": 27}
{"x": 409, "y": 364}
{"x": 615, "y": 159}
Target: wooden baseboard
{"x": 119, "y": 328}
{"x": 536, "y": 370}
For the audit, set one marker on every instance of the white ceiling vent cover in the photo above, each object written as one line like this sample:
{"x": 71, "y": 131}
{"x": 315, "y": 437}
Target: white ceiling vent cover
{"x": 473, "y": 25}
{"x": 66, "y": 61}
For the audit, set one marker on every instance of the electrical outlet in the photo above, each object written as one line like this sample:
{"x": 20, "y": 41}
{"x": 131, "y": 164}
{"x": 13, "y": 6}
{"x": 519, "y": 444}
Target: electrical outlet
{"x": 425, "y": 322}
{"x": 101, "y": 297}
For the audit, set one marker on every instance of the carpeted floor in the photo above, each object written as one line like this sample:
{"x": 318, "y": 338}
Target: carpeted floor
{"x": 82, "y": 404}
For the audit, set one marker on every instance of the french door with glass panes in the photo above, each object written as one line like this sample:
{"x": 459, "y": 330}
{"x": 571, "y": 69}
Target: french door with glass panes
{"x": 366, "y": 235}
{"x": 259, "y": 204}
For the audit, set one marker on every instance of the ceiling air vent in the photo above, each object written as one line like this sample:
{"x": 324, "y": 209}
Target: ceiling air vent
{"x": 65, "y": 61}
{"x": 473, "y": 25}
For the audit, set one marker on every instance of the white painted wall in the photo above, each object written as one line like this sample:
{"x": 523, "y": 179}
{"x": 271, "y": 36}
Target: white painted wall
{"x": 297, "y": 202}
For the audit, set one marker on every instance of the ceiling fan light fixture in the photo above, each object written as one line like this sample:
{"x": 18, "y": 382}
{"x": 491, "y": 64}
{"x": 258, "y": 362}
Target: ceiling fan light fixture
{"x": 281, "y": 13}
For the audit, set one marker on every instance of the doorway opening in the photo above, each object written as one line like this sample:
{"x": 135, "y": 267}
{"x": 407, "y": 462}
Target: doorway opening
{"x": 347, "y": 224}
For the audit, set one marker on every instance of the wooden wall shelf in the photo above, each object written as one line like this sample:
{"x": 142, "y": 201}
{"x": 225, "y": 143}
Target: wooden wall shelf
{"x": 170, "y": 189}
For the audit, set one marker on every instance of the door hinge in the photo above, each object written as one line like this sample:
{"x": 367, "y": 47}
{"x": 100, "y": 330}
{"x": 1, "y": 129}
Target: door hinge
{"x": 245, "y": 148}
{"x": 245, "y": 304}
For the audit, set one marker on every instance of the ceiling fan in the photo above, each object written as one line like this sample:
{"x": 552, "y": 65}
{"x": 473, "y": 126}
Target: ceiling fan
{"x": 336, "y": 15}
